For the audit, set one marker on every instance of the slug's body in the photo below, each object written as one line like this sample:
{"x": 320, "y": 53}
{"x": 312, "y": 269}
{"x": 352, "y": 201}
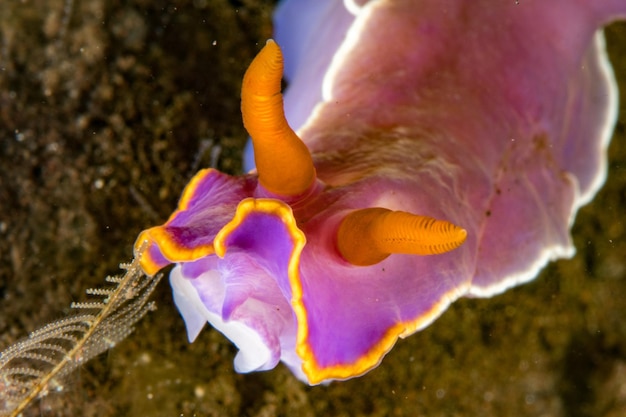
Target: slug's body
{"x": 429, "y": 110}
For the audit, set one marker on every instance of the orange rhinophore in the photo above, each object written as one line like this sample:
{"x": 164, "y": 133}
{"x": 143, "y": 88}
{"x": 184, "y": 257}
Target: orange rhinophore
{"x": 368, "y": 236}
{"x": 283, "y": 162}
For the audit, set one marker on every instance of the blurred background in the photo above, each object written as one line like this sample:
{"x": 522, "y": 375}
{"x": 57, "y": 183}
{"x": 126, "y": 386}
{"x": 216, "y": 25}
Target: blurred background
{"x": 107, "y": 108}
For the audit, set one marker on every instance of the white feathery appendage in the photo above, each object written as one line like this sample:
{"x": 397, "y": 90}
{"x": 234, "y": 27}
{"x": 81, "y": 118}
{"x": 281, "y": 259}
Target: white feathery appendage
{"x": 36, "y": 365}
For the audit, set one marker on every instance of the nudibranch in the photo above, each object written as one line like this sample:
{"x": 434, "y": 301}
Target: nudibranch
{"x": 441, "y": 149}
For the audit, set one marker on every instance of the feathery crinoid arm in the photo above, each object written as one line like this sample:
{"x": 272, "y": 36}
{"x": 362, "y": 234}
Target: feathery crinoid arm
{"x": 37, "y": 365}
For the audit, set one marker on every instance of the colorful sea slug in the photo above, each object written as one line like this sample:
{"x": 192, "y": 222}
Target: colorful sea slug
{"x": 437, "y": 149}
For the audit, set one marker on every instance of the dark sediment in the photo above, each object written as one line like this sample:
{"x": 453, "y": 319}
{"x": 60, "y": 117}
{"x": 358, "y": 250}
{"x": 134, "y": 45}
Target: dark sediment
{"x": 105, "y": 114}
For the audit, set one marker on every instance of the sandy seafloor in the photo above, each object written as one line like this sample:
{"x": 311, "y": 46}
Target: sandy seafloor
{"x": 105, "y": 114}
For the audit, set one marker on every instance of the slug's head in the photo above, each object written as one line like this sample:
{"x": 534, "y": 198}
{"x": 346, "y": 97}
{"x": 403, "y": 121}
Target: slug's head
{"x": 285, "y": 169}
{"x": 321, "y": 277}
